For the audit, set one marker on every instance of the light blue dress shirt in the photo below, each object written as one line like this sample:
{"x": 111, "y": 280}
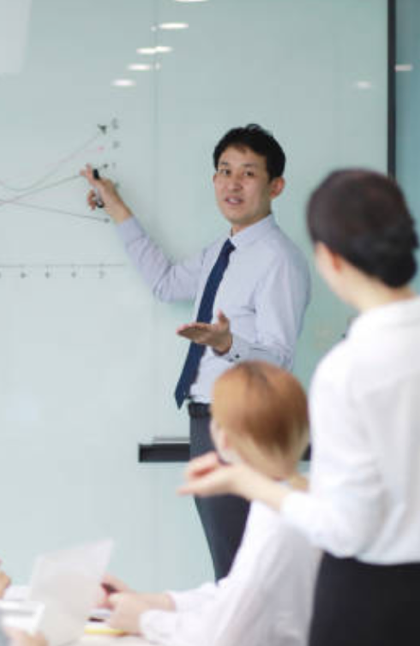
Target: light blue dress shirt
{"x": 264, "y": 293}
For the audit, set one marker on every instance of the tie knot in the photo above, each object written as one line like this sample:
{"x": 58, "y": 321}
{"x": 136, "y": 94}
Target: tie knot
{"x": 227, "y": 248}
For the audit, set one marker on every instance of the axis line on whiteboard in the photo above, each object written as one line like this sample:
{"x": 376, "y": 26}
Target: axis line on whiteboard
{"x": 84, "y": 216}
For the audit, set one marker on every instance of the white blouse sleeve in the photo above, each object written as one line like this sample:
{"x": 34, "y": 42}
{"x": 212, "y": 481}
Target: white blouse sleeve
{"x": 344, "y": 508}
{"x": 184, "y": 625}
{"x": 186, "y": 600}
{"x": 266, "y": 599}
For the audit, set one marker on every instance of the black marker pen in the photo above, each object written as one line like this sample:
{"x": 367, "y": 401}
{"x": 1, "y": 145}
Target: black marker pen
{"x": 99, "y": 201}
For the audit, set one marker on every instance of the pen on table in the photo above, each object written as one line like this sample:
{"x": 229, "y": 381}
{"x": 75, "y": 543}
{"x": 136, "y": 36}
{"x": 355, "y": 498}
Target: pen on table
{"x": 99, "y": 201}
{"x": 102, "y": 629}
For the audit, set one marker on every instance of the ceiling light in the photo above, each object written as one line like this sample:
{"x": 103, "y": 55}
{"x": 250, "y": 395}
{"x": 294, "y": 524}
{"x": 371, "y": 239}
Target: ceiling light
{"x": 173, "y": 25}
{"x": 146, "y": 50}
{"x": 123, "y": 82}
{"x": 163, "y": 49}
{"x": 363, "y": 85}
{"x": 404, "y": 67}
{"x": 139, "y": 67}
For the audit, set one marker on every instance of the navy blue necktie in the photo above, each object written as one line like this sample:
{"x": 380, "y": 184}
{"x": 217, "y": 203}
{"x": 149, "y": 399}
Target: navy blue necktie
{"x": 205, "y": 314}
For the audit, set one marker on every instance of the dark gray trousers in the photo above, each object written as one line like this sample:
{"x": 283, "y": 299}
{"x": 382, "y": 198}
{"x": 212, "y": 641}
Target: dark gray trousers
{"x": 223, "y": 517}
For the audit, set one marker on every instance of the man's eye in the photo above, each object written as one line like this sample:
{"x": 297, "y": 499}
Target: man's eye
{"x": 223, "y": 171}
{"x": 249, "y": 173}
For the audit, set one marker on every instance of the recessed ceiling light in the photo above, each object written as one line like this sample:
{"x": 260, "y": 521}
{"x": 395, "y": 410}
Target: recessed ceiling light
{"x": 123, "y": 82}
{"x": 363, "y": 85}
{"x": 139, "y": 67}
{"x": 149, "y": 51}
{"x": 173, "y": 25}
{"x": 404, "y": 67}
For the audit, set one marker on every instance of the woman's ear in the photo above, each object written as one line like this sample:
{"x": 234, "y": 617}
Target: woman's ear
{"x": 223, "y": 442}
{"x": 218, "y": 435}
{"x": 327, "y": 260}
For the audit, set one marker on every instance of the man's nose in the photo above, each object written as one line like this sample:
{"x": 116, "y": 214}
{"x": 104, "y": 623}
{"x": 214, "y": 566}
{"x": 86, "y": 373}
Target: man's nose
{"x": 235, "y": 181}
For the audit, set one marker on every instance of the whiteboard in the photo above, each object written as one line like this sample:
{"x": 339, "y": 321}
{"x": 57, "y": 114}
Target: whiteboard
{"x": 89, "y": 359}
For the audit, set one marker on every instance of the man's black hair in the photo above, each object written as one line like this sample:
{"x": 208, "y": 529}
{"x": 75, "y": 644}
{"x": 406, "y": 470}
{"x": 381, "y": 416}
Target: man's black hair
{"x": 260, "y": 141}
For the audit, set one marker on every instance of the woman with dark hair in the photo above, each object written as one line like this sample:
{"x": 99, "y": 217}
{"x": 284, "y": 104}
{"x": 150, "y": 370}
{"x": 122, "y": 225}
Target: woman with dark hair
{"x": 363, "y": 506}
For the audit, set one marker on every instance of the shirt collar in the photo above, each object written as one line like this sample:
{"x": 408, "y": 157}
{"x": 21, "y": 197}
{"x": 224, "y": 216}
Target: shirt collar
{"x": 254, "y": 232}
{"x": 406, "y": 312}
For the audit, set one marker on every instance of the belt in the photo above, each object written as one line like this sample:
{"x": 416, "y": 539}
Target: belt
{"x": 197, "y": 410}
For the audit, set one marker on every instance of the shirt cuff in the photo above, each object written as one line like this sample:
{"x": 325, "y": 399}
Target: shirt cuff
{"x": 182, "y": 600}
{"x": 191, "y": 599}
{"x": 238, "y": 350}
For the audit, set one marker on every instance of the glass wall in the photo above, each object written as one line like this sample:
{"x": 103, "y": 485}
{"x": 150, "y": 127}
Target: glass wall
{"x": 408, "y": 103}
{"x": 143, "y": 89}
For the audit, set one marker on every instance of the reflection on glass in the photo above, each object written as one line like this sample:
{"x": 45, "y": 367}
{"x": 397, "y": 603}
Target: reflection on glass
{"x": 363, "y": 85}
{"x": 173, "y": 25}
{"x": 139, "y": 67}
{"x": 123, "y": 82}
{"x": 150, "y": 51}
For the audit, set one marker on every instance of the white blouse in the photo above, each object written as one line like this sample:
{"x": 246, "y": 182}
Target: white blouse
{"x": 364, "y": 499}
{"x": 265, "y": 599}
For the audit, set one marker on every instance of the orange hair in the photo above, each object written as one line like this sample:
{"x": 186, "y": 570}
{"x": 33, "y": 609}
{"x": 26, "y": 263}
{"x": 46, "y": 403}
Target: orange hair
{"x": 264, "y": 402}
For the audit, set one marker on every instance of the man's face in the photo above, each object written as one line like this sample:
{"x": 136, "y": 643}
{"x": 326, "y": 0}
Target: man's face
{"x": 243, "y": 188}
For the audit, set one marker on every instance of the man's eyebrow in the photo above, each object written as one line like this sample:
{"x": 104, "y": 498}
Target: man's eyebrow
{"x": 246, "y": 165}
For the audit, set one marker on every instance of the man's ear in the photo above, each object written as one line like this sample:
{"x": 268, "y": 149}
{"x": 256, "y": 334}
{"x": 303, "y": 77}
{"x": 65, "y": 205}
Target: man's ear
{"x": 277, "y": 185}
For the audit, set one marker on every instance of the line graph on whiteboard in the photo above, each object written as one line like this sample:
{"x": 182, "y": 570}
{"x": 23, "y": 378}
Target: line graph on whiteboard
{"x": 45, "y": 192}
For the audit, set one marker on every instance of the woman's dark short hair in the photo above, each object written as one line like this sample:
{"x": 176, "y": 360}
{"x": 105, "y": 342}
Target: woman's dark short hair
{"x": 260, "y": 141}
{"x": 363, "y": 216}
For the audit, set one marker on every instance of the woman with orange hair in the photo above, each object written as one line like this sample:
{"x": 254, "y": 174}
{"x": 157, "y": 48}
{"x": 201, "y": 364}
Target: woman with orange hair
{"x": 259, "y": 418}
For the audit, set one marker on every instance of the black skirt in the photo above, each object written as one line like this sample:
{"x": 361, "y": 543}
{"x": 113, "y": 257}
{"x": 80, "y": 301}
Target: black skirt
{"x": 359, "y": 604}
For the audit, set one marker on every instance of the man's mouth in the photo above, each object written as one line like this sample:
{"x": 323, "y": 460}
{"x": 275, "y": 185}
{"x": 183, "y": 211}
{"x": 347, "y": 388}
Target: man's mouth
{"x": 234, "y": 201}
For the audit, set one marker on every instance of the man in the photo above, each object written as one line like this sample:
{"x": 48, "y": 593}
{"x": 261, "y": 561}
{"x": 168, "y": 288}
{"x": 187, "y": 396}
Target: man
{"x": 250, "y": 294}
